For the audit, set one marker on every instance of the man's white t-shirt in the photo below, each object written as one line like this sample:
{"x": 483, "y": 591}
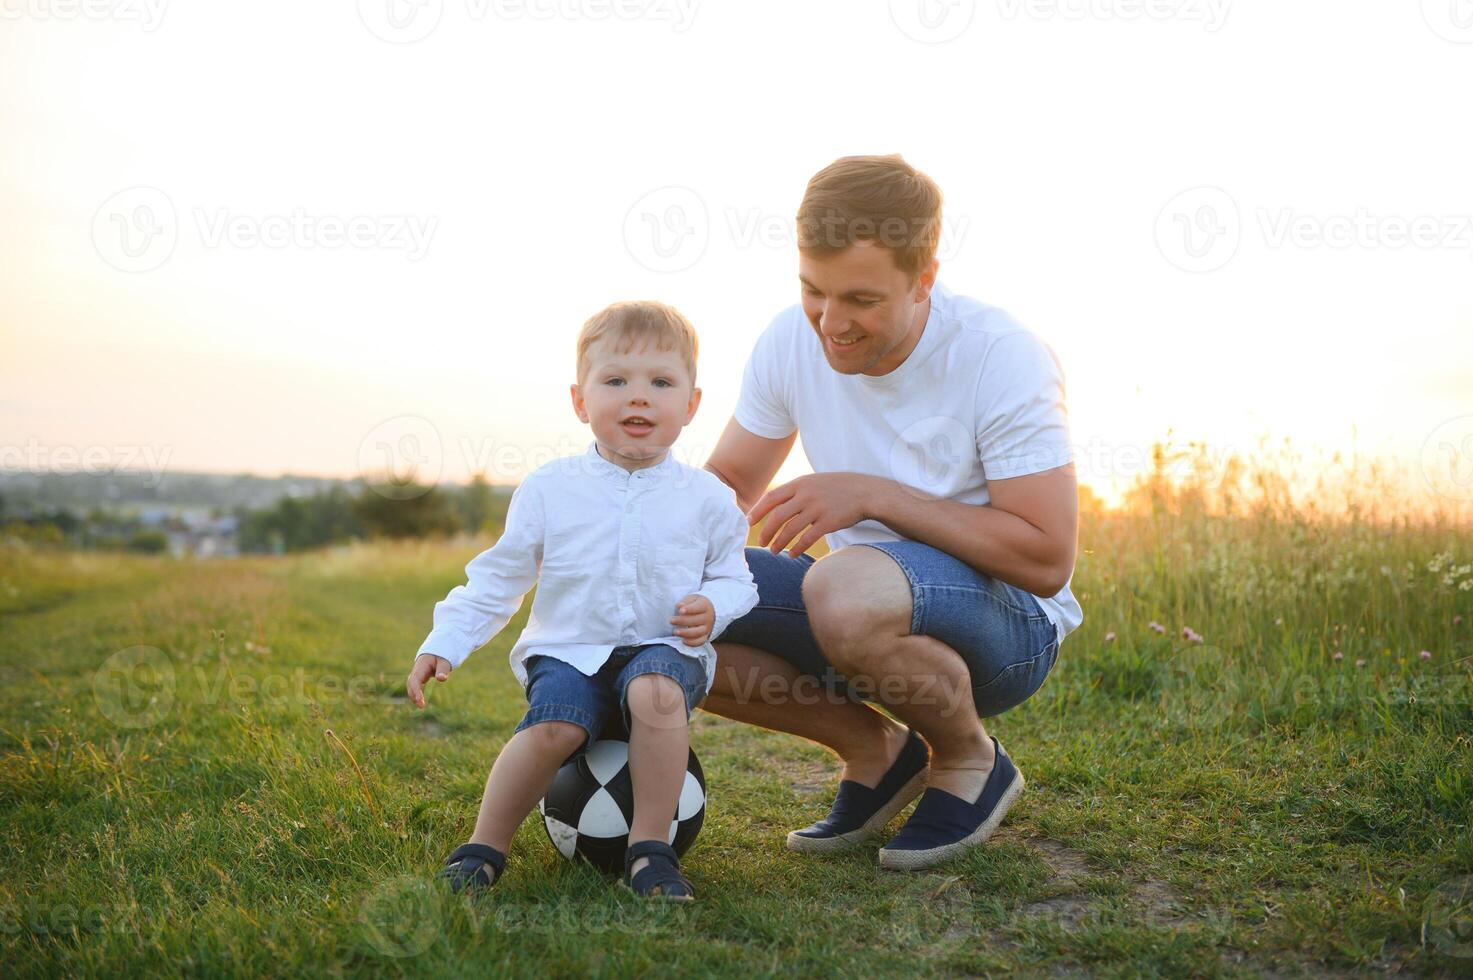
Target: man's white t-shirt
{"x": 980, "y": 397}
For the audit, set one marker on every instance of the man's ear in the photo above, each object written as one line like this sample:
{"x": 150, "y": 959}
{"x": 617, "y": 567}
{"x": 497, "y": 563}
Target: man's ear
{"x": 926, "y": 280}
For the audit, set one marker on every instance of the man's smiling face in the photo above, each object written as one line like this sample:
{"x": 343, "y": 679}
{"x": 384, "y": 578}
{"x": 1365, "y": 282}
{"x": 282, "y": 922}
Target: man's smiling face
{"x": 868, "y": 314}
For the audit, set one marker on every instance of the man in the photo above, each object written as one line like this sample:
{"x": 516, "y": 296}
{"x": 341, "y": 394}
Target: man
{"x": 944, "y": 483}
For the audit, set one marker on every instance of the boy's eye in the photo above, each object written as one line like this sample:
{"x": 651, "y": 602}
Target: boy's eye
{"x": 662, "y": 382}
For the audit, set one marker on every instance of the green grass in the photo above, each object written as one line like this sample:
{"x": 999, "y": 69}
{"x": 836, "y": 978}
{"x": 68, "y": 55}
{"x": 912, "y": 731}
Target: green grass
{"x": 1242, "y": 806}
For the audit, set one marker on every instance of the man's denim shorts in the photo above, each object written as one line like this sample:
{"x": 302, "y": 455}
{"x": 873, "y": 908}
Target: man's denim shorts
{"x": 1001, "y": 632}
{"x": 561, "y": 692}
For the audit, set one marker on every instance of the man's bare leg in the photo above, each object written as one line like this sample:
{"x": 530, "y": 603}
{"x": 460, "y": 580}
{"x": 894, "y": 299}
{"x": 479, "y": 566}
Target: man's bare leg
{"x": 859, "y": 607}
{"x": 758, "y": 688}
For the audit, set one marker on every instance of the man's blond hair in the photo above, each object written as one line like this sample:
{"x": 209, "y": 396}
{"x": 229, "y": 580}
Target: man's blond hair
{"x": 881, "y": 199}
{"x": 635, "y": 323}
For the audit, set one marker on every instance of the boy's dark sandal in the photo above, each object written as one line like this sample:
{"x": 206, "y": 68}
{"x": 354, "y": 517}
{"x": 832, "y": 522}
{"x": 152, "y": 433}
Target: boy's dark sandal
{"x": 473, "y": 867}
{"x": 661, "y": 878}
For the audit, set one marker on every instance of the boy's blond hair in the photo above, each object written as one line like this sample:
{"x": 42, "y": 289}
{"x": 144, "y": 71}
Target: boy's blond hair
{"x": 634, "y": 323}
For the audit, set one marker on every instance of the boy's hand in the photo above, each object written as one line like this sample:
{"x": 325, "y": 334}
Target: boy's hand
{"x": 425, "y": 666}
{"x": 694, "y": 619}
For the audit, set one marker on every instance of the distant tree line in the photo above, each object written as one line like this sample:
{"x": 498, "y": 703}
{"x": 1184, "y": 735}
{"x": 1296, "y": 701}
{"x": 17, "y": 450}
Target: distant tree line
{"x": 290, "y": 524}
{"x": 388, "y": 510}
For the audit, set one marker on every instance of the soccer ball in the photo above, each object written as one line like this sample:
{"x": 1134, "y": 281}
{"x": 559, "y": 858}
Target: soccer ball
{"x": 590, "y": 805}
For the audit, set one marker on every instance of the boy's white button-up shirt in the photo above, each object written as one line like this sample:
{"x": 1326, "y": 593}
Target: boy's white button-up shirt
{"x": 611, "y": 553}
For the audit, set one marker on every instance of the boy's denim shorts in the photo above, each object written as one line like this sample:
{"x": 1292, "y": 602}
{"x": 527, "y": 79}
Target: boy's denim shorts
{"x": 1000, "y": 631}
{"x": 599, "y": 704}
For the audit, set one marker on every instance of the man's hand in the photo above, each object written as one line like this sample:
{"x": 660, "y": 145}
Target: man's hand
{"x": 426, "y": 665}
{"x": 695, "y": 618}
{"x": 820, "y": 502}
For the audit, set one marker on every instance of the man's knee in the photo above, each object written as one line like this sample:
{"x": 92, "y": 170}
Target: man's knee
{"x": 855, "y": 596}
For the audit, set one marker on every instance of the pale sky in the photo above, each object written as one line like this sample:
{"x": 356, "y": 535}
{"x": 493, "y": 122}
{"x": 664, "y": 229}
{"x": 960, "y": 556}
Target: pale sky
{"x": 177, "y": 181}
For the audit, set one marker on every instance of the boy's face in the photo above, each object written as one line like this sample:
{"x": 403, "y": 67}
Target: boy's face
{"x": 860, "y": 295}
{"x": 643, "y": 384}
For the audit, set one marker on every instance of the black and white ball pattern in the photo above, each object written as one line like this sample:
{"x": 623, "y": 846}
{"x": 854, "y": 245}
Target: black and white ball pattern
{"x": 590, "y": 806}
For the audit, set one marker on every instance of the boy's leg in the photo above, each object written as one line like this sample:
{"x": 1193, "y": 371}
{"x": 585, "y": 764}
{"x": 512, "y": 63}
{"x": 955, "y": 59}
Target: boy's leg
{"x": 660, "y": 687}
{"x": 565, "y": 708}
{"x": 659, "y": 744}
{"x": 521, "y": 776}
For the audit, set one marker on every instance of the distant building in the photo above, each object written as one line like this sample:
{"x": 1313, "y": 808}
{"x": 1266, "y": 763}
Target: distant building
{"x": 201, "y": 536}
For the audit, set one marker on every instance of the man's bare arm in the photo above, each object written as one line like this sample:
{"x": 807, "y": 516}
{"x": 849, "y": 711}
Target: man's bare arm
{"x": 1026, "y": 536}
{"x": 747, "y": 462}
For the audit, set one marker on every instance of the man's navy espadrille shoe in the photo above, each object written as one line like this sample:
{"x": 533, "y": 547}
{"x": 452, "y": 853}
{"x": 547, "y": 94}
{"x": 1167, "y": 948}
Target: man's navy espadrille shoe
{"x": 860, "y": 812}
{"x": 943, "y": 825}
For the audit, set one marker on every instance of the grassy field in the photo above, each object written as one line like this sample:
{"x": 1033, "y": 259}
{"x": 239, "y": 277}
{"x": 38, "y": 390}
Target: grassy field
{"x": 210, "y": 768}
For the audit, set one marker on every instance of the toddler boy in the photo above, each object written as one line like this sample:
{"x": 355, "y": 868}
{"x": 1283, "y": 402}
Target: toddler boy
{"x": 639, "y": 562}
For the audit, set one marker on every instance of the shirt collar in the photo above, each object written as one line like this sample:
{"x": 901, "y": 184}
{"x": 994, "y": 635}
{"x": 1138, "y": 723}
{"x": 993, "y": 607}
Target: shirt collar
{"x": 597, "y": 464}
